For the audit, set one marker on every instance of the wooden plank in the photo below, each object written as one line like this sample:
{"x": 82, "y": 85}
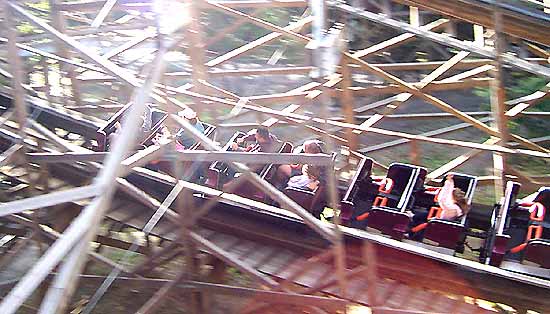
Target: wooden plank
{"x": 257, "y": 21}
{"x": 445, "y": 130}
{"x": 258, "y": 42}
{"x": 16, "y": 69}
{"x": 50, "y": 199}
{"x": 66, "y": 157}
{"x": 8, "y": 156}
{"x": 443, "y": 39}
{"x": 458, "y": 161}
{"x": 441, "y": 104}
{"x": 226, "y": 257}
{"x": 399, "y": 40}
{"x": 105, "y": 10}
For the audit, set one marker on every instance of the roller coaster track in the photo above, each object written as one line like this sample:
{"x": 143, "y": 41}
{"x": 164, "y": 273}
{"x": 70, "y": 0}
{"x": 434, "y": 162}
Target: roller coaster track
{"x": 520, "y": 22}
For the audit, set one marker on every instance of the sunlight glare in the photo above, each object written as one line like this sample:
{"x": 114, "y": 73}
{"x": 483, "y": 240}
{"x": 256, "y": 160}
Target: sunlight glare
{"x": 172, "y": 14}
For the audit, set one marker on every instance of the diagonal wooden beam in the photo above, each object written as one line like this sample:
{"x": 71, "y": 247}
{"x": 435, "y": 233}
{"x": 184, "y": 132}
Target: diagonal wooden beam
{"x": 226, "y": 257}
{"x": 257, "y": 21}
{"x": 50, "y": 199}
{"x": 442, "y": 38}
{"x": 258, "y": 42}
{"x": 231, "y": 28}
{"x": 399, "y": 40}
{"x": 105, "y": 10}
{"x": 525, "y": 102}
{"x": 441, "y": 131}
{"x": 406, "y": 87}
{"x": 456, "y": 162}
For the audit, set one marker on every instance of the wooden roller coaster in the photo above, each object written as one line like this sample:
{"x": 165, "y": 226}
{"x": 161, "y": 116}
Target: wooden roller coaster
{"x": 334, "y": 71}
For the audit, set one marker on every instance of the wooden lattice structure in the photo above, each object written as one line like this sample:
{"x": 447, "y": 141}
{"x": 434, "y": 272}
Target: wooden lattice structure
{"x": 84, "y": 63}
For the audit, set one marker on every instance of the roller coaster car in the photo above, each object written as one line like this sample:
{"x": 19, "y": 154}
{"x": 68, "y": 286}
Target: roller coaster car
{"x": 451, "y": 234}
{"x": 268, "y": 173}
{"x": 310, "y": 200}
{"x": 360, "y": 191}
{"x": 387, "y": 214}
{"x": 517, "y": 238}
{"x": 157, "y": 120}
{"x": 218, "y": 169}
{"x": 190, "y": 172}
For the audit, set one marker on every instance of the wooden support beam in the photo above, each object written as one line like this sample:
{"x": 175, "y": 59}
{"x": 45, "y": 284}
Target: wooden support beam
{"x": 292, "y": 27}
{"x": 58, "y": 21}
{"x": 406, "y": 87}
{"x": 221, "y": 254}
{"x": 456, "y": 162}
{"x": 10, "y": 154}
{"x": 441, "y": 131}
{"x": 16, "y": 69}
{"x": 399, "y": 40}
{"x": 257, "y": 21}
{"x": 105, "y": 10}
{"x": 498, "y": 99}
{"x": 443, "y": 39}
{"x": 54, "y": 198}
{"x": 347, "y": 103}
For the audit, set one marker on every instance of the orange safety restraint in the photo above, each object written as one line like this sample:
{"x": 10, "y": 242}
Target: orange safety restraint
{"x": 386, "y": 185}
{"x": 435, "y": 212}
{"x": 534, "y": 231}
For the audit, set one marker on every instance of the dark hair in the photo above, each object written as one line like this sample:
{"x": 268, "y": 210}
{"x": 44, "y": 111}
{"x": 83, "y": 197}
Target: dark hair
{"x": 314, "y": 146}
{"x": 263, "y": 132}
{"x": 313, "y": 171}
{"x": 460, "y": 200}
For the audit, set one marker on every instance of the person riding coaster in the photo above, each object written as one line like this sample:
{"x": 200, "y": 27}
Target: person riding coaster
{"x": 453, "y": 204}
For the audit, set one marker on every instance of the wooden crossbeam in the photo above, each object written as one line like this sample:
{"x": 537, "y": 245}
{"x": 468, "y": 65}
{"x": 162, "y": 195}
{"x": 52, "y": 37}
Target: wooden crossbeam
{"x": 257, "y": 21}
{"x": 399, "y": 40}
{"x": 105, "y": 10}
{"x": 258, "y": 42}
{"x": 449, "y": 129}
{"x": 406, "y": 87}
{"x": 456, "y": 162}
{"x": 224, "y": 256}
{"x": 442, "y": 39}
{"x": 50, "y": 199}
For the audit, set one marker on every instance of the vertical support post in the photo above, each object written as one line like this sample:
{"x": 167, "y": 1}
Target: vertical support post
{"x": 414, "y": 16}
{"x": 479, "y": 38}
{"x": 498, "y": 97}
{"x": 16, "y": 68}
{"x": 196, "y": 50}
{"x": 369, "y": 259}
{"x": 46, "y": 73}
{"x": 318, "y": 11}
{"x": 58, "y": 21}
{"x": 347, "y": 104}
{"x": 414, "y": 156}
